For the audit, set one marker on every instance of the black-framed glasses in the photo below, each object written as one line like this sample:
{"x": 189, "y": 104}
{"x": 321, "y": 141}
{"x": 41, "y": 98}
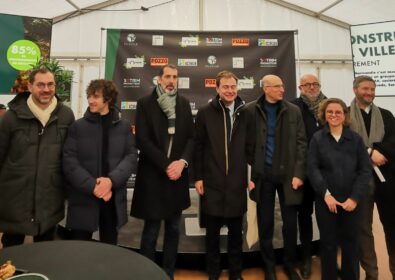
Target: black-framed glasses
{"x": 316, "y": 85}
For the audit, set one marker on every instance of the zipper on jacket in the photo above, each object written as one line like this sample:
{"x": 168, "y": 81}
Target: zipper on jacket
{"x": 40, "y": 134}
{"x": 226, "y": 140}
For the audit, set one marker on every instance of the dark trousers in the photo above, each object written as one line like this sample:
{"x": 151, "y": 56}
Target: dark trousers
{"x": 170, "y": 242}
{"x": 338, "y": 230}
{"x": 265, "y": 214}
{"x": 108, "y": 232}
{"x": 13, "y": 239}
{"x": 235, "y": 242}
{"x": 305, "y": 222}
{"x": 385, "y": 206}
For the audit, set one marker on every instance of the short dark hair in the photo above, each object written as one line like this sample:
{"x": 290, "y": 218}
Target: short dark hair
{"x": 108, "y": 89}
{"x": 361, "y": 79}
{"x": 162, "y": 70}
{"x": 325, "y": 103}
{"x": 224, "y": 74}
{"x": 32, "y": 75}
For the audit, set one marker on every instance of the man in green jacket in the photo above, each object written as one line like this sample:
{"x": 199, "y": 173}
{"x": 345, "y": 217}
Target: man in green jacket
{"x": 278, "y": 166}
{"x": 32, "y": 134}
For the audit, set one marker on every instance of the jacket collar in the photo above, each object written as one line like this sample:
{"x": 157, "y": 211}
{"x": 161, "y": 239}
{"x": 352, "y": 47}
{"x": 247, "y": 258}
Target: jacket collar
{"x": 218, "y": 104}
{"x": 346, "y": 133}
{"x": 95, "y": 117}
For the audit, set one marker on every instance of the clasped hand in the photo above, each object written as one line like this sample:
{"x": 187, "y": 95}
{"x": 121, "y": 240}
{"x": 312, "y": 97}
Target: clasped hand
{"x": 103, "y": 188}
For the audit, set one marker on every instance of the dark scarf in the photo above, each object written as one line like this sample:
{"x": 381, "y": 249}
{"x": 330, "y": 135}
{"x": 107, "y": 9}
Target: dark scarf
{"x": 313, "y": 105}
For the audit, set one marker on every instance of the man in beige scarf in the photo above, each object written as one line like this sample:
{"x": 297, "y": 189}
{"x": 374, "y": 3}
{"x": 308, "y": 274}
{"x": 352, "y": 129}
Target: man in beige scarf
{"x": 376, "y": 126}
{"x": 32, "y": 133}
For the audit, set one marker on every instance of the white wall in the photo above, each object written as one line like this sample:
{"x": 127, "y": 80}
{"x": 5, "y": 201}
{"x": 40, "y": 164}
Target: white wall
{"x": 317, "y": 40}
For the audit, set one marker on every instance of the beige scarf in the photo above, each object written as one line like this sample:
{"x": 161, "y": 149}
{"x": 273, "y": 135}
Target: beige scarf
{"x": 42, "y": 115}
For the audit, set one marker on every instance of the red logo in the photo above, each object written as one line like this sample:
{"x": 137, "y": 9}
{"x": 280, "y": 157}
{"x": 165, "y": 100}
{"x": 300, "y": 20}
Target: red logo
{"x": 210, "y": 83}
{"x": 240, "y": 42}
{"x": 159, "y": 61}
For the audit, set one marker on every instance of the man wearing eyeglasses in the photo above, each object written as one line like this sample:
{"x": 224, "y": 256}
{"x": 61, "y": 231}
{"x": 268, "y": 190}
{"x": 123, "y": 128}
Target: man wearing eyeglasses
{"x": 308, "y": 103}
{"x": 278, "y": 166}
{"x": 376, "y": 126}
{"x": 32, "y": 133}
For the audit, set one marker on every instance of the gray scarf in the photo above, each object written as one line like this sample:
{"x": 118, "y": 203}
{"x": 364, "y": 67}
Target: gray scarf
{"x": 376, "y": 124}
{"x": 167, "y": 102}
{"x": 313, "y": 105}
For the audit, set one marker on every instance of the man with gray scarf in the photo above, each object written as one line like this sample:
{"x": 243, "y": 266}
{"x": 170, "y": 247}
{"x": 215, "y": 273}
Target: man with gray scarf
{"x": 308, "y": 103}
{"x": 164, "y": 136}
{"x": 376, "y": 126}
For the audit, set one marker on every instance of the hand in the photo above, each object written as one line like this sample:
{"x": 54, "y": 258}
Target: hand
{"x": 296, "y": 183}
{"x": 199, "y": 187}
{"x": 378, "y": 158}
{"x": 174, "y": 170}
{"x": 349, "y": 205}
{"x": 102, "y": 187}
{"x": 251, "y": 186}
{"x": 107, "y": 196}
{"x": 332, "y": 203}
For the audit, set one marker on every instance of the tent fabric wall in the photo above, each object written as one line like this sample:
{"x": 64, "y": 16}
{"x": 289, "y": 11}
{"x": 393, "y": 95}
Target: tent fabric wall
{"x": 316, "y": 41}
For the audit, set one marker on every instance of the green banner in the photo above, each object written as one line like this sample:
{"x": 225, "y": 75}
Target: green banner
{"x": 24, "y": 41}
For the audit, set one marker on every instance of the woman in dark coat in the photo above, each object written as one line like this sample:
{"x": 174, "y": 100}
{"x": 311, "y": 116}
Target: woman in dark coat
{"x": 339, "y": 170}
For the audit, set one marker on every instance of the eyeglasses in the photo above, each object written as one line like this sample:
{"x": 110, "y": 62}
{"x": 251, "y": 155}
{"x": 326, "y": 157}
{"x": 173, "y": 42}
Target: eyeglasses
{"x": 336, "y": 113}
{"x": 42, "y": 86}
{"x": 316, "y": 85}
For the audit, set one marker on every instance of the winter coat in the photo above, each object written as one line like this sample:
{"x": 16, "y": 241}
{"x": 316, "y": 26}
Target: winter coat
{"x": 82, "y": 163}
{"x": 220, "y": 163}
{"x": 290, "y": 150}
{"x": 155, "y": 195}
{"x": 31, "y": 183}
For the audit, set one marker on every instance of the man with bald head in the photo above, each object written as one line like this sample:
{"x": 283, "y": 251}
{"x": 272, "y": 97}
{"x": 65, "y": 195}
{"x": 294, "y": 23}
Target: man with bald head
{"x": 308, "y": 103}
{"x": 278, "y": 166}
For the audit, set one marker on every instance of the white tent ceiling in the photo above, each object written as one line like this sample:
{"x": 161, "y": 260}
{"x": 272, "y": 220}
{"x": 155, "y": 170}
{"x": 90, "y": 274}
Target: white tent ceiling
{"x": 340, "y": 12}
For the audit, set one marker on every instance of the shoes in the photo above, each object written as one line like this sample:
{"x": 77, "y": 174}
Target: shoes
{"x": 305, "y": 269}
{"x": 291, "y": 273}
{"x": 270, "y": 274}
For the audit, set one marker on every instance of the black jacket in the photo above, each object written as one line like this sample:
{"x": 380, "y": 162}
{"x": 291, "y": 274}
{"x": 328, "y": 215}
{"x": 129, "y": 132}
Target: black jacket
{"x": 155, "y": 195}
{"x": 82, "y": 163}
{"x": 31, "y": 182}
{"x": 220, "y": 163}
{"x": 341, "y": 167}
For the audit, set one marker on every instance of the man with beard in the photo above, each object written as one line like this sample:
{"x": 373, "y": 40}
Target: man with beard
{"x": 308, "y": 103}
{"x": 164, "y": 135}
{"x": 376, "y": 126}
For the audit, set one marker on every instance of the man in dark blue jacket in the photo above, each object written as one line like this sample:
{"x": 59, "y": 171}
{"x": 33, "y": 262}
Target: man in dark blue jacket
{"x": 98, "y": 158}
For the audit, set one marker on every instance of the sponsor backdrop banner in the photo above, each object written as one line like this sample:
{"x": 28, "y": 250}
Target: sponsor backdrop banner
{"x": 24, "y": 41}
{"x": 373, "y": 49}
{"x": 134, "y": 57}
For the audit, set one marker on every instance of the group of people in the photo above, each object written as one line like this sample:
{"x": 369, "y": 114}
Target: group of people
{"x": 313, "y": 150}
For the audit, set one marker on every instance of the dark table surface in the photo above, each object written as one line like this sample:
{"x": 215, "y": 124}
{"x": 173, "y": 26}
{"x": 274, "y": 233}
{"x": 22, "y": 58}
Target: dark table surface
{"x": 65, "y": 260}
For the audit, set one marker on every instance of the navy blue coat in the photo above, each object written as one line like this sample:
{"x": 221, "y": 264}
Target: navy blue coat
{"x": 341, "y": 167}
{"x": 82, "y": 165}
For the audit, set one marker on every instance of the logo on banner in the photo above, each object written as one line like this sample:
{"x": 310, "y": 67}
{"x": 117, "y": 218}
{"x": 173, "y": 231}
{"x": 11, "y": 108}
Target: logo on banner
{"x": 267, "y": 62}
{"x": 213, "y": 41}
{"x": 240, "y": 42}
{"x": 238, "y": 62}
{"x": 246, "y": 83}
{"x": 267, "y": 42}
{"x": 159, "y": 61}
{"x": 212, "y": 61}
{"x": 189, "y": 41}
{"x": 131, "y": 40}
{"x": 131, "y": 82}
{"x": 134, "y": 62}
{"x": 157, "y": 40}
{"x": 191, "y": 62}
{"x": 128, "y": 105}
{"x": 210, "y": 83}
{"x": 183, "y": 82}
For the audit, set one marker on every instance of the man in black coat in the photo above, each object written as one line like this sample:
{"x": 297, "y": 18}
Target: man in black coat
{"x": 221, "y": 172}
{"x": 278, "y": 166}
{"x": 98, "y": 158}
{"x": 164, "y": 134}
{"x": 376, "y": 126}
{"x": 308, "y": 103}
